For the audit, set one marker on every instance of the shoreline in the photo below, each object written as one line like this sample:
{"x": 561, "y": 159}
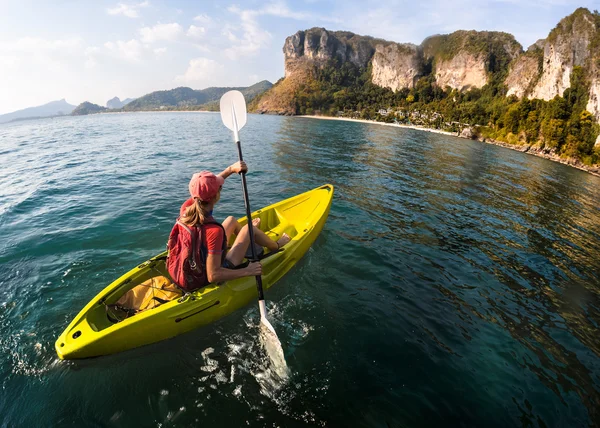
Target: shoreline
{"x": 396, "y": 125}
{"x": 527, "y": 149}
{"x": 155, "y": 111}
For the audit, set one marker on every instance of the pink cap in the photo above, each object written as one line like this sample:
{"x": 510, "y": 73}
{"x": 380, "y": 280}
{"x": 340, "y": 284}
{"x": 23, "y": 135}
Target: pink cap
{"x": 205, "y": 185}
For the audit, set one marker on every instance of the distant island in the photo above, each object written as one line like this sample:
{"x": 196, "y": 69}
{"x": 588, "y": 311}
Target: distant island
{"x": 479, "y": 84}
{"x": 178, "y": 99}
{"x": 182, "y": 98}
{"x": 54, "y": 108}
{"x": 117, "y": 103}
{"x": 87, "y": 108}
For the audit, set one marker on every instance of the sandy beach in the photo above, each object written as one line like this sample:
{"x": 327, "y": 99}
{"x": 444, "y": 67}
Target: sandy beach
{"x": 397, "y": 125}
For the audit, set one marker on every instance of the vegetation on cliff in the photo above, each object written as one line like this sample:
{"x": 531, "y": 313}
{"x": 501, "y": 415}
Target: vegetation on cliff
{"x": 497, "y": 48}
{"x": 184, "y": 98}
{"x": 87, "y": 108}
{"x": 561, "y": 125}
{"x": 333, "y": 86}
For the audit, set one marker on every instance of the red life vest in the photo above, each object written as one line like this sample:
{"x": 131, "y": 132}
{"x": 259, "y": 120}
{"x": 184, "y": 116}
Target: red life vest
{"x": 187, "y": 253}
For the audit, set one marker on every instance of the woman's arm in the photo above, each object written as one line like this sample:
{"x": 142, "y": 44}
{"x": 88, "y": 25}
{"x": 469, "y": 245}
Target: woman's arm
{"x": 236, "y": 167}
{"x": 217, "y": 273}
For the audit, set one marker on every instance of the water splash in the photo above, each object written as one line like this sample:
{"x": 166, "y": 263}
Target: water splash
{"x": 278, "y": 370}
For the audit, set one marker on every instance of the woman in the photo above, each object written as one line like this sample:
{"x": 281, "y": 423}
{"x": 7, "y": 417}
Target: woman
{"x": 222, "y": 264}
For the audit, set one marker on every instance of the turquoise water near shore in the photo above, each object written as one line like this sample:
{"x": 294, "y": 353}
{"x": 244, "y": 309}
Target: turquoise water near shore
{"x": 455, "y": 283}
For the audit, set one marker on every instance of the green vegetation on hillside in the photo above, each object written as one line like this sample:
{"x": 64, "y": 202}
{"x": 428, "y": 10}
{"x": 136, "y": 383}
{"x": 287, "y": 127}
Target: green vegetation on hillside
{"x": 183, "y": 98}
{"x": 87, "y": 108}
{"x": 561, "y": 125}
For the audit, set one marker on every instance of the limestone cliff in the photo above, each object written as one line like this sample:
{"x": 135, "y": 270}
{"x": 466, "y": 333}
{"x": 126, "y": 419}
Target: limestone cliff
{"x": 524, "y": 72}
{"x": 321, "y": 45}
{"x": 461, "y": 60}
{"x": 467, "y": 59}
{"x": 462, "y": 71}
{"x": 573, "y": 42}
{"x": 396, "y": 65}
{"x": 567, "y": 46}
{"x": 306, "y": 51}
{"x": 593, "y": 105}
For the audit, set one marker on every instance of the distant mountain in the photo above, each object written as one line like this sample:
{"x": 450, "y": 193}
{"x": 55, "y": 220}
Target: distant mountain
{"x": 54, "y": 108}
{"x": 189, "y": 99}
{"x": 117, "y": 103}
{"x": 87, "y": 108}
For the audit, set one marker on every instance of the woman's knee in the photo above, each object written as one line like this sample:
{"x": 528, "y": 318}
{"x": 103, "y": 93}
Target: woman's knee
{"x": 228, "y": 221}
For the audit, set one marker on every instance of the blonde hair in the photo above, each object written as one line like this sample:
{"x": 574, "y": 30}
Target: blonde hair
{"x": 195, "y": 213}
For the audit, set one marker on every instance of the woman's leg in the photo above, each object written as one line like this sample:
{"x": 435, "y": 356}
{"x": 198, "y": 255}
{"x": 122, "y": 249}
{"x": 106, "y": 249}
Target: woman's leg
{"x": 238, "y": 250}
{"x": 232, "y": 227}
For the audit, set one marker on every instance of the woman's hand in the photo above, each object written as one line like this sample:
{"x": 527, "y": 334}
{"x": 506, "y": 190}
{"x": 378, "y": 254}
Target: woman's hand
{"x": 254, "y": 269}
{"x": 239, "y": 166}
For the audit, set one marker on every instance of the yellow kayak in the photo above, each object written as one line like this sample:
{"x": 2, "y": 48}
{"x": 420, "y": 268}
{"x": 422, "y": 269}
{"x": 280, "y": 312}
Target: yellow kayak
{"x": 96, "y": 331}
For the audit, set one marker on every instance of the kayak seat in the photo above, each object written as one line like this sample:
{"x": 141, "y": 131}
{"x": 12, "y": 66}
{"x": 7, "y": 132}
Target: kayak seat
{"x": 145, "y": 296}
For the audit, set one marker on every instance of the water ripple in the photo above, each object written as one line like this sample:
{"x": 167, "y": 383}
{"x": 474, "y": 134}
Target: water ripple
{"x": 455, "y": 283}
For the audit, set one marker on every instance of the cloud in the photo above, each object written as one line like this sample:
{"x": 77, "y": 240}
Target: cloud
{"x": 203, "y": 19}
{"x": 196, "y": 32}
{"x": 128, "y": 10}
{"x": 54, "y": 55}
{"x": 131, "y": 50}
{"x": 281, "y": 10}
{"x": 253, "y": 38}
{"x": 201, "y": 72}
{"x": 161, "y": 32}
{"x": 202, "y": 48}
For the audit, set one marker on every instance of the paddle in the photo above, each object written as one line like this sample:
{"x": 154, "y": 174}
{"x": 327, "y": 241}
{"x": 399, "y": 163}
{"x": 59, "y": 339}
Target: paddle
{"x": 233, "y": 114}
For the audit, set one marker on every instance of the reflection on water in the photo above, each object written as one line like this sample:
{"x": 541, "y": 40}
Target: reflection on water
{"x": 507, "y": 240}
{"x": 455, "y": 283}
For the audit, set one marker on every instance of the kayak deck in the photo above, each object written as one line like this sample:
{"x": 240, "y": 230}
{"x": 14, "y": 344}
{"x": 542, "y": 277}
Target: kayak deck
{"x": 93, "y": 333}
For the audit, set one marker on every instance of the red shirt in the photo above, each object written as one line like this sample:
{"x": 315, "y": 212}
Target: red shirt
{"x": 214, "y": 235}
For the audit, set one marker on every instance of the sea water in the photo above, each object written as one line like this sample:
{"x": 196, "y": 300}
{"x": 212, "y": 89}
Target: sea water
{"x": 454, "y": 282}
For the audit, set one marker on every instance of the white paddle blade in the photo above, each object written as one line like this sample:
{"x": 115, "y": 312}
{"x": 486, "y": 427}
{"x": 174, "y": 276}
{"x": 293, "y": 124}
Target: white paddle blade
{"x": 233, "y": 110}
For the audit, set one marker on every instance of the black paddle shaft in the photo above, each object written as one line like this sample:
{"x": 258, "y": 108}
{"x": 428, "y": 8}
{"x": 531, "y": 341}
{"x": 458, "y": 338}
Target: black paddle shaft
{"x": 261, "y": 295}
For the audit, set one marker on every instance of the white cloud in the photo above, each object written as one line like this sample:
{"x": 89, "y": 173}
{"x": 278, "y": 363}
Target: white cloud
{"x": 54, "y": 55}
{"x": 128, "y": 10}
{"x": 253, "y": 38}
{"x": 161, "y": 32}
{"x": 281, "y": 10}
{"x": 196, "y": 32}
{"x": 203, "y": 19}
{"x": 131, "y": 50}
{"x": 201, "y": 72}
{"x": 203, "y": 48}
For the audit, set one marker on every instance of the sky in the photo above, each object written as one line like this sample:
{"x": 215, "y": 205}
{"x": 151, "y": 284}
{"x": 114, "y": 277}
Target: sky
{"x": 94, "y": 50}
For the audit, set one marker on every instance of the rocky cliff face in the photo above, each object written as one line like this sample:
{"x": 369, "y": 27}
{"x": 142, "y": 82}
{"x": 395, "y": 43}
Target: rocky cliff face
{"x": 467, "y": 59}
{"x": 396, "y": 65}
{"x": 544, "y": 71}
{"x": 461, "y": 60}
{"x": 593, "y": 105}
{"x": 307, "y": 50}
{"x": 524, "y": 72}
{"x": 463, "y": 71}
{"x": 568, "y": 45}
{"x": 321, "y": 45}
